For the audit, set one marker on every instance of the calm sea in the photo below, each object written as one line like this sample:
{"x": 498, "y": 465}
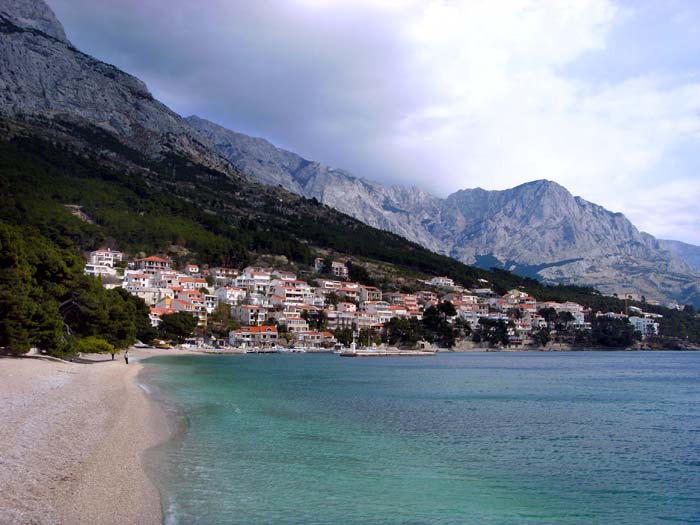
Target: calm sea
{"x": 584, "y": 437}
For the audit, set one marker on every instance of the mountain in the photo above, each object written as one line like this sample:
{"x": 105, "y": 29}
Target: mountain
{"x": 536, "y": 229}
{"x": 44, "y": 77}
{"x": 688, "y": 253}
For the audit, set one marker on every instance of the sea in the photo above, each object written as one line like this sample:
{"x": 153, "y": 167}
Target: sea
{"x": 483, "y": 438}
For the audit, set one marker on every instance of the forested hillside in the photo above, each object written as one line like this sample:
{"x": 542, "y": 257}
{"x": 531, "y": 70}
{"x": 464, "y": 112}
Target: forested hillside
{"x": 143, "y": 206}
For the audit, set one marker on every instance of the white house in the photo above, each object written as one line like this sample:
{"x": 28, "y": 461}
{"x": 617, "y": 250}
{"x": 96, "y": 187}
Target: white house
{"x": 152, "y": 264}
{"x": 230, "y": 294}
{"x": 442, "y": 282}
{"x": 644, "y": 325}
{"x": 106, "y": 258}
{"x": 249, "y": 314}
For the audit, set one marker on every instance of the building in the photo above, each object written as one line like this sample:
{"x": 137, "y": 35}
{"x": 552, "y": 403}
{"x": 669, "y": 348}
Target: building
{"x": 339, "y": 269}
{"x": 370, "y": 293}
{"x": 256, "y": 280}
{"x": 97, "y": 270}
{"x": 107, "y": 258}
{"x": 193, "y": 283}
{"x": 289, "y": 294}
{"x": 380, "y": 310}
{"x": 295, "y": 324}
{"x": 442, "y": 282}
{"x": 224, "y": 274}
{"x": 254, "y": 336}
{"x": 156, "y": 315}
{"x": 230, "y": 294}
{"x": 249, "y": 314}
{"x": 152, "y": 264}
{"x": 644, "y": 325}
{"x": 310, "y": 339}
{"x": 192, "y": 269}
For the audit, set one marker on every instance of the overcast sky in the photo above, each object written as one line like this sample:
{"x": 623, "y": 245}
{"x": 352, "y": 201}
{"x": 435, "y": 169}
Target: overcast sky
{"x": 601, "y": 96}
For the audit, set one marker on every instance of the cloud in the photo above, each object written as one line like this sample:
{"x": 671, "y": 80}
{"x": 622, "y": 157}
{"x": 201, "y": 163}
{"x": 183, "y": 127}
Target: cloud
{"x": 438, "y": 93}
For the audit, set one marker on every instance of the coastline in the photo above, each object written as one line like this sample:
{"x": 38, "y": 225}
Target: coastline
{"x": 72, "y": 441}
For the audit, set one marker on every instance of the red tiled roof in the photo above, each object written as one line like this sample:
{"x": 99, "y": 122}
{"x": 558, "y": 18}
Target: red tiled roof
{"x": 258, "y": 330}
{"x": 162, "y": 311}
{"x": 153, "y": 258}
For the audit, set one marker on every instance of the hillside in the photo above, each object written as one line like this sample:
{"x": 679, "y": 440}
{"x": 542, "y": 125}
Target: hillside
{"x": 177, "y": 207}
{"x": 537, "y": 229}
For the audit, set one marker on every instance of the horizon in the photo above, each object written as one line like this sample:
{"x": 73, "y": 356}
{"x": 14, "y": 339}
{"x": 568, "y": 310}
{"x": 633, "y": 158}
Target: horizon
{"x": 492, "y": 97}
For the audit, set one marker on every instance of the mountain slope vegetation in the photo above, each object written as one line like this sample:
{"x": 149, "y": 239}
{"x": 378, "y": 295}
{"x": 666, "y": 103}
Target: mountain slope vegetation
{"x": 176, "y": 206}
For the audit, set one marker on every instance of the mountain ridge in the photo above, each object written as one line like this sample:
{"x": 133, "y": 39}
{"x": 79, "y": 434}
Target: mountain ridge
{"x": 537, "y": 224}
{"x": 538, "y": 227}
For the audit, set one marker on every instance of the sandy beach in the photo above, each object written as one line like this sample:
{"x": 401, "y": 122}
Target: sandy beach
{"x": 71, "y": 439}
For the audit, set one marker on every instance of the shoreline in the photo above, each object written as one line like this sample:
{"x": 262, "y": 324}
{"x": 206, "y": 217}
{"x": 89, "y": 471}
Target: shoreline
{"x": 73, "y": 439}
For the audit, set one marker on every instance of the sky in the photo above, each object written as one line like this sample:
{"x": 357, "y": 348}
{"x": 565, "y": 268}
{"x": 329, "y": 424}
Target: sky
{"x": 601, "y": 96}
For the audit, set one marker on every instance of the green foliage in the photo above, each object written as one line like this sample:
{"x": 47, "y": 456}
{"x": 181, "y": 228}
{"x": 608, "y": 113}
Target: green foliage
{"x": 178, "y": 326}
{"x": 369, "y": 336}
{"x": 494, "y": 331}
{"x": 343, "y": 336}
{"x": 404, "y": 331}
{"x": 95, "y": 345}
{"x": 436, "y": 325}
{"x": 220, "y": 322}
{"x": 46, "y": 301}
{"x": 541, "y": 336}
{"x": 316, "y": 319}
{"x": 359, "y": 274}
{"x": 611, "y": 332}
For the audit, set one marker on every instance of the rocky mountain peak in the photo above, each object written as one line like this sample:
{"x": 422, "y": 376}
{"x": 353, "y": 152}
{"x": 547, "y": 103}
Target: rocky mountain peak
{"x": 33, "y": 15}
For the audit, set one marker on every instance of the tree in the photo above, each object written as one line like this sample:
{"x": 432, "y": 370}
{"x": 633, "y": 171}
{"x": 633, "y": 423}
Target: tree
{"x": 332, "y": 299}
{"x": 437, "y": 326}
{"x": 494, "y": 331}
{"x": 316, "y": 319}
{"x": 549, "y": 314}
{"x": 177, "y": 326}
{"x": 612, "y": 332}
{"x": 359, "y": 274}
{"x": 542, "y": 336}
{"x": 404, "y": 331}
{"x": 369, "y": 336}
{"x": 220, "y": 322}
{"x": 447, "y": 309}
{"x": 343, "y": 335}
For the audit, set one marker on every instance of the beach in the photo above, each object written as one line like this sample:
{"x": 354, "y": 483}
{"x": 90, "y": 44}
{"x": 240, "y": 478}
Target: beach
{"x": 71, "y": 441}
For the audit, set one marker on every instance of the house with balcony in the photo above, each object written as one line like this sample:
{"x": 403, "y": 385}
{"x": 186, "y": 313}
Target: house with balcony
{"x": 254, "y": 336}
{"x": 249, "y": 314}
{"x": 152, "y": 264}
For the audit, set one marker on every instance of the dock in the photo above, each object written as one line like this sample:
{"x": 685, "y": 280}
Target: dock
{"x": 386, "y": 353}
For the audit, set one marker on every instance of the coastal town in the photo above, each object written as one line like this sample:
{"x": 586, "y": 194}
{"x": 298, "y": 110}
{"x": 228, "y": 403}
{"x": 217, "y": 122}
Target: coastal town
{"x": 270, "y": 308}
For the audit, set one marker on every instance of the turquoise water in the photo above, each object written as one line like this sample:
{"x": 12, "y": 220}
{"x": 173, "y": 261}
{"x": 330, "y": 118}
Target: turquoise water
{"x": 585, "y": 437}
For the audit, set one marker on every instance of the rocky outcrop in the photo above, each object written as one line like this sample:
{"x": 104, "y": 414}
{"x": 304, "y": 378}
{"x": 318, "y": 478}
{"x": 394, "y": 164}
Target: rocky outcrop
{"x": 537, "y": 229}
{"x": 33, "y": 15}
{"x": 43, "y": 75}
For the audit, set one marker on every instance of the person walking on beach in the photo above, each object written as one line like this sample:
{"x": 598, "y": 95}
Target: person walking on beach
{"x": 126, "y": 356}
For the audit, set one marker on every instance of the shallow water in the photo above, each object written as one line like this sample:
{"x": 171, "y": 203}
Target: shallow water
{"x": 584, "y": 437}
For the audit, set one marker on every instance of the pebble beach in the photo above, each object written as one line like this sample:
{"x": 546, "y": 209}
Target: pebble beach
{"x": 71, "y": 441}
